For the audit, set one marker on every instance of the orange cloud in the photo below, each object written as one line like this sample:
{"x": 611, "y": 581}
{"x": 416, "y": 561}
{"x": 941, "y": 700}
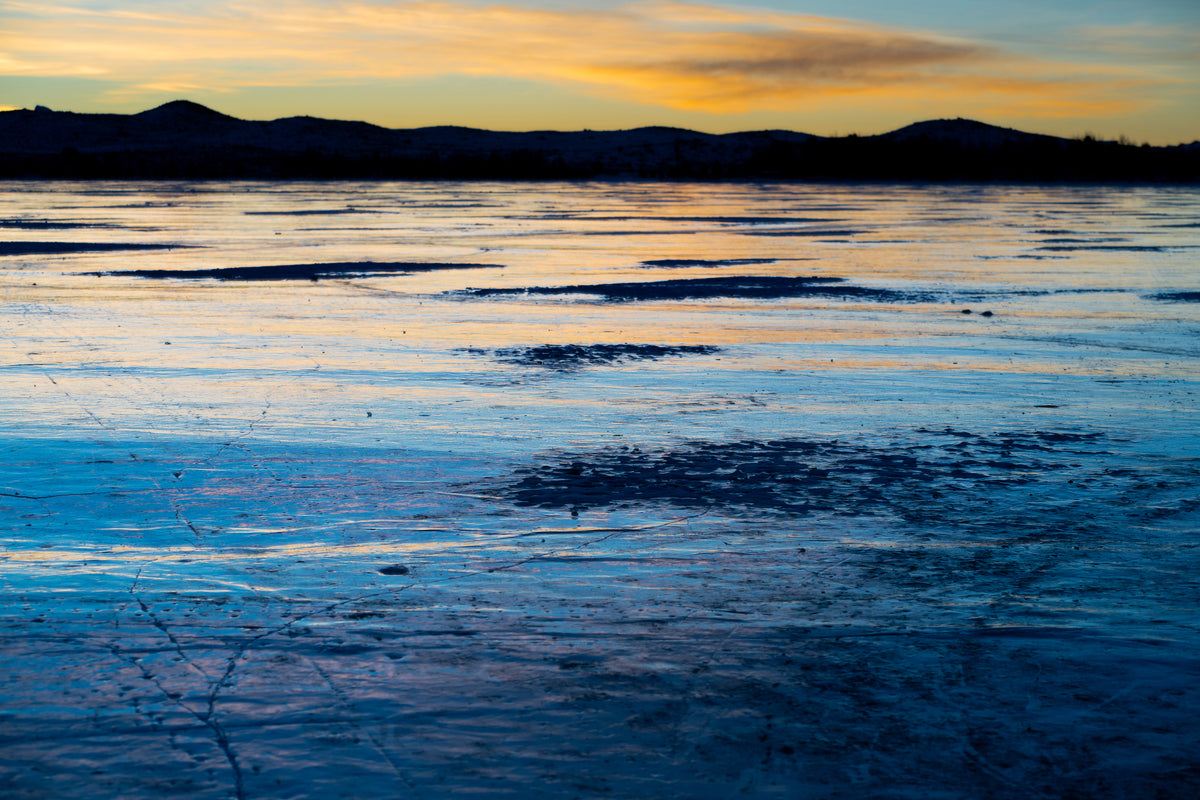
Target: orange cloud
{"x": 697, "y": 57}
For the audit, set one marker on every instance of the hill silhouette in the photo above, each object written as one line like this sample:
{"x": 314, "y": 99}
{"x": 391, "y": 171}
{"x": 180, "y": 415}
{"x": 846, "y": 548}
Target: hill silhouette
{"x": 182, "y": 139}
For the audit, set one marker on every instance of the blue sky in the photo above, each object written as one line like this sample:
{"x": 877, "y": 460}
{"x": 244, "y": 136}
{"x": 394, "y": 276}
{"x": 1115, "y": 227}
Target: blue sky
{"x": 1058, "y": 66}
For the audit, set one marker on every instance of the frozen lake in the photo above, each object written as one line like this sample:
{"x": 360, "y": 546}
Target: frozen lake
{"x": 580, "y": 490}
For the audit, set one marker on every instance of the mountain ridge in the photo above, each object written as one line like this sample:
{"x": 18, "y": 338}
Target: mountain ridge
{"x": 184, "y": 139}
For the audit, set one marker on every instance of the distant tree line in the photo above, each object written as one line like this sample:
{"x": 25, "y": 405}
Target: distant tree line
{"x": 928, "y": 159}
{"x": 818, "y": 159}
{"x": 249, "y": 163}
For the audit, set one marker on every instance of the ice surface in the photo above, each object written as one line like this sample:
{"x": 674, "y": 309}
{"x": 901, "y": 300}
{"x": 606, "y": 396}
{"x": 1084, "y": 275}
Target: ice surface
{"x": 372, "y": 536}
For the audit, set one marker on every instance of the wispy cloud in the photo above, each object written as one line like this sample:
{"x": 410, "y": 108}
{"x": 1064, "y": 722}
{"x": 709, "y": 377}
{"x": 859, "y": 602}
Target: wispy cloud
{"x": 676, "y": 55}
{"x": 1154, "y": 43}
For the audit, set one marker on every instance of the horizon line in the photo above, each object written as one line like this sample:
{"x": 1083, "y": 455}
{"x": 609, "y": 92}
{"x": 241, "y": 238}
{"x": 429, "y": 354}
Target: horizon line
{"x": 186, "y": 101}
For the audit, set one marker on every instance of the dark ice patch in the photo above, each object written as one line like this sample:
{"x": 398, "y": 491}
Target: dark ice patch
{"x": 313, "y": 212}
{"x": 759, "y": 287}
{"x": 755, "y": 220}
{"x": 297, "y": 272}
{"x": 59, "y": 248}
{"x": 1024, "y": 256}
{"x": 569, "y": 357}
{"x": 623, "y": 233}
{"x": 934, "y": 220}
{"x": 1119, "y": 248}
{"x": 1176, "y": 297}
{"x": 808, "y": 232}
{"x": 450, "y": 205}
{"x": 1008, "y": 294}
{"x": 674, "y": 263}
{"x": 147, "y": 204}
{"x": 1017, "y": 440}
{"x": 51, "y": 224}
{"x": 720, "y": 220}
{"x": 1077, "y": 240}
{"x": 928, "y": 475}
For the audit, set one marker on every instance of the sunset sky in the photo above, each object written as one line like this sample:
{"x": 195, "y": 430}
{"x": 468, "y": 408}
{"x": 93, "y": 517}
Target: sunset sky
{"x": 1067, "y": 67}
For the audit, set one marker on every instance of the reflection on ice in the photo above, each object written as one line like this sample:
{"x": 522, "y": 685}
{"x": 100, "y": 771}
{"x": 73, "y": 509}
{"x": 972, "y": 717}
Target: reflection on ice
{"x": 299, "y": 540}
